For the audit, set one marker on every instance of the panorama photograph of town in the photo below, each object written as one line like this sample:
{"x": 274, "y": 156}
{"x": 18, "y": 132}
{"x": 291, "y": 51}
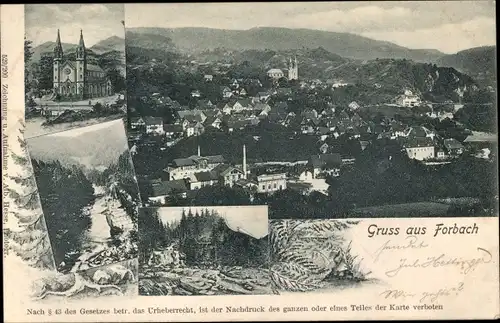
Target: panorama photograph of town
{"x": 317, "y": 110}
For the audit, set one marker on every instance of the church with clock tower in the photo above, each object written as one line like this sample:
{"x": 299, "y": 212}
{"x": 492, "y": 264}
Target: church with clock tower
{"x": 77, "y": 79}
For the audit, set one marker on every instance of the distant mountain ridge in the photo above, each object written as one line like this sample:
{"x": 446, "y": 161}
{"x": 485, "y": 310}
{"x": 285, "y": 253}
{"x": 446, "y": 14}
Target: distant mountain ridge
{"x": 344, "y": 44}
{"x": 110, "y": 50}
{"x": 113, "y": 43}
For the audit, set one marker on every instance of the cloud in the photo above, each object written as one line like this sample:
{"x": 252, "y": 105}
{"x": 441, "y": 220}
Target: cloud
{"x": 97, "y": 21}
{"x": 444, "y": 25}
{"x": 356, "y": 19}
{"x": 448, "y": 38}
{"x": 92, "y": 9}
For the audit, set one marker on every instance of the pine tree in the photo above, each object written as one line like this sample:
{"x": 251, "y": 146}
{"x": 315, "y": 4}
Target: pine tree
{"x": 28, "y": 53}
{"x": 26, "y": 231}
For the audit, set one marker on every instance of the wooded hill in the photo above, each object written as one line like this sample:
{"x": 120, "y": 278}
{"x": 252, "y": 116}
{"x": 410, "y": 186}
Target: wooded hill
{"x": 478, "y": 62}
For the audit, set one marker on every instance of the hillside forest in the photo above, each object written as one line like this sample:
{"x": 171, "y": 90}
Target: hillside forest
{"x": 203, "y": 238}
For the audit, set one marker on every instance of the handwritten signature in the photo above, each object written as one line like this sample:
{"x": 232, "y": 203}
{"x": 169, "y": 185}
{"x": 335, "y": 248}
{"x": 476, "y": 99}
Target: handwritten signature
{"x": 410, "y": 243}
{"x": 423, "y": 296}
{"x": 465, "y": 265}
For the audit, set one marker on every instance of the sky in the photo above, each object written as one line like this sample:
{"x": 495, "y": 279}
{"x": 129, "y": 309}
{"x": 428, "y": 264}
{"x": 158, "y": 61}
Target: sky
{"x": 448, "y": 26}
{"x": 252, "y": 220}
{"x": 98, "y": 22}
{"x": 97, "y": 146}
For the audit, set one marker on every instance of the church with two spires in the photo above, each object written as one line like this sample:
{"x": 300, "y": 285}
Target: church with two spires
{"x": 77, "y": 79}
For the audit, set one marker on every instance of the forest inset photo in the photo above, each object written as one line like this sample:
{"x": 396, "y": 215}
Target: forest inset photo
{"x": 88, "y": 194}
{"x": 204, "y": 251}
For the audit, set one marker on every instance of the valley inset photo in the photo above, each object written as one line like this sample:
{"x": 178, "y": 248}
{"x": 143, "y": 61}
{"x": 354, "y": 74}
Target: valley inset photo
{"x": 209, "y": 250}
{"x": 74, "y": 65}
{"x": 89, "y": 195}
{"x": 318, "y": 110}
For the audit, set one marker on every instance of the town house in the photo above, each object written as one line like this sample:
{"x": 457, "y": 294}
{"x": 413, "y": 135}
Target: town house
{"x": 154, "y": 125}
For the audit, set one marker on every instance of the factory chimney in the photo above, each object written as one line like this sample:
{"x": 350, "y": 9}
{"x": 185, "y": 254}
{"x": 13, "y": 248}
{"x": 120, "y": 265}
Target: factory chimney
{"x": 244, "y": 162}
{"x": 199, "y": 151}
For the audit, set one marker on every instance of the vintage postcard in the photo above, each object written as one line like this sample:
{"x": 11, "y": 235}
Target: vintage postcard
{"x": 198, "y": 162}
{"x": 74, "y": 65}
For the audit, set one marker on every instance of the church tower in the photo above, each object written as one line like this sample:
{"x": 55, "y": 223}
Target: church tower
{"x": 81, "y": 67}
{"x": 56, "y": 66}
{"x": 293, "y": 69}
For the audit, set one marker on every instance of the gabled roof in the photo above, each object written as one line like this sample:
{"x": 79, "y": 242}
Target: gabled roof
{"x": 452, "y": 143}
{"x": 275, "y": 70}
{"x": 172, "y": 128}
{"x": 244, "y": 102}
{"x": 211, "y": 119}
{"x": 179, "y": 162}
{"x": 418, "y": 142}
{"x": 261, "y": 106}
{"x": 210, "y": 112}
{"x": 204, "y": 176}
{"x": 193, "y": 118}
{"x": 224, "y": 169}
{"x": 153, "y": 120}
{"x": 168, "y": 187}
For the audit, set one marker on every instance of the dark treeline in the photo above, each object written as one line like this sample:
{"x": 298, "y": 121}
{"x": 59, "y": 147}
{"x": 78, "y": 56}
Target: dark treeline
{"x": 203, "y": 237}
{"x": 479, "y": 117}
{"x": 376, "y": 180}
{"x": 64, "y": 193}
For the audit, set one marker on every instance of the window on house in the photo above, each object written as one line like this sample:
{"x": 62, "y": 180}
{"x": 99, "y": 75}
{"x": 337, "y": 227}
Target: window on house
{"x": 263, "y": 187}
{"x": 274, "y": 185}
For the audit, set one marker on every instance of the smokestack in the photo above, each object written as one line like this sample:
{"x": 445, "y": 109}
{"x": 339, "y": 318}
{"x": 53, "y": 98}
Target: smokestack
{"x": 199, "y": 151}
{"x": 244, "y": 162}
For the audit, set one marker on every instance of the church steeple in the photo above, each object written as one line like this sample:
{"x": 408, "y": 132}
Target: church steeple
{"x": 80, "y": 51}
{"x": 58, "y": 51}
